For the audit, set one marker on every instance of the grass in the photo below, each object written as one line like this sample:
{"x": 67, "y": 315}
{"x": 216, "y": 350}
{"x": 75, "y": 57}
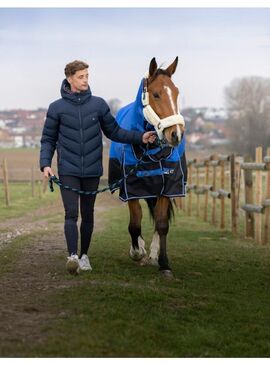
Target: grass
{"x": 11, "y": 252}
{"x": 218, "y": 305}
{"x": 21, "y": 200}
{"x": 227, "y": 215}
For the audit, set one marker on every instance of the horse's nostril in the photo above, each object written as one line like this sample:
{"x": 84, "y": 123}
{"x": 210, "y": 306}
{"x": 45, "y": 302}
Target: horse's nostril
{"x": 174, "y": 136}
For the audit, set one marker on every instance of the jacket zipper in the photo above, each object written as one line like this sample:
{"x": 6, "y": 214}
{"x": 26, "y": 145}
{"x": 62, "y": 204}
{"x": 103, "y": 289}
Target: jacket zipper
{"x": 81, "y": 133}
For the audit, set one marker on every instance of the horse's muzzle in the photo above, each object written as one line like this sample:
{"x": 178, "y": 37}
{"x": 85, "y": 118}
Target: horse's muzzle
{"x": 174, "y": 139}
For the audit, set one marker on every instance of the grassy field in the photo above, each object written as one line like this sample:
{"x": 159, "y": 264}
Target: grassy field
{"x": 21, "y": 160}
{"x": 218, "y": 305}
{"x": 21, "y": 200}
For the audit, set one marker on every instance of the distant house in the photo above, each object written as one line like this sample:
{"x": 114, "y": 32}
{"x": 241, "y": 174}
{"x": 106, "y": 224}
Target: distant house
{"x": 3, "y": 134}
{"x": 215, "y": 114}
{"x": 18, "y": 130}
{"x": 3, "y": 124}
{"x": 6, "y": 140}
{"x": 18, "y": 141}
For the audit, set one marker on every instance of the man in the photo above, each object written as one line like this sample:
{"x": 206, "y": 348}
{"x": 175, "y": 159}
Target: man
{"x": 73, "y": 127}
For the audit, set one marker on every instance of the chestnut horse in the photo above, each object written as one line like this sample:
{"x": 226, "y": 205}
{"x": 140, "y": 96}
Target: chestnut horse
{"x": 160, "y": 111}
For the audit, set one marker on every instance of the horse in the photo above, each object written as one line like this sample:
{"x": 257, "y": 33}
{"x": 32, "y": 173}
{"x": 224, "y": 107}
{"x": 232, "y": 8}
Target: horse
{"x": 156, "y": 173}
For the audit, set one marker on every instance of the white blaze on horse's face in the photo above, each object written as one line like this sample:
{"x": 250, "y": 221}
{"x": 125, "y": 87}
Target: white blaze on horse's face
{"x": 173, "y": 104}
{"x": 163, "y": 96}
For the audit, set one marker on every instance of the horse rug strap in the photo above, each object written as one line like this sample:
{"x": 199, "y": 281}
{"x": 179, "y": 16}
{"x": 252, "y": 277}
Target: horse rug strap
{"x": 152, "y": 118}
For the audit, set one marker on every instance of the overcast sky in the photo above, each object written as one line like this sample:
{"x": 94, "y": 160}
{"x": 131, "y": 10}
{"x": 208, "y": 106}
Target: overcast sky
{"x": 214, "y": 46}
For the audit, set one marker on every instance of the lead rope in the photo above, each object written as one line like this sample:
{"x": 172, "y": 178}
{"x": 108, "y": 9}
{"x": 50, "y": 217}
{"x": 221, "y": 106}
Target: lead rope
{"x": 54, "y": 180}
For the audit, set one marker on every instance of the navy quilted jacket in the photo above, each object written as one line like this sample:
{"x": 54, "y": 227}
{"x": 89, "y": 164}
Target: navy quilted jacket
{"x": 73, "y": 127}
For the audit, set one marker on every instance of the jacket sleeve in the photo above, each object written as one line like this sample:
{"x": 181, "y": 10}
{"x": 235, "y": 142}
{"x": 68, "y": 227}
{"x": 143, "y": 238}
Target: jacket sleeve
{"x": 113, "y": 131}
{"x": 49, "y": 138}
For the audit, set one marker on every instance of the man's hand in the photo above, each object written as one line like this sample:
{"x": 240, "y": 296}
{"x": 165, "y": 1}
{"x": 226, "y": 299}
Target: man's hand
{"x": 149, "y": 137}
{"x": 47, "y": 171}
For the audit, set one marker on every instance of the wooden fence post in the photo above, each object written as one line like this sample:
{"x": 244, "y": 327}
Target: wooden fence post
{"x": 233, "y": 194}
{"x": 249, "y": 200}
{"x": 267, "y": 209}
{"x": 238, "y": 179}
{"x": 214, "y": 184}
{"x": 39, "y": 189}
{"x": 222, "y": 199}
{"x": 33, "y": 180}
{"x": 258, "y": 197}
{"x": 198, "y": 195}
{"x": 206, "y": 181}
{"x": 45, "y": 185}
{"x": 6, "y": 184}
{"x": 178, "y": 203}
{"x": 183, "y": 202}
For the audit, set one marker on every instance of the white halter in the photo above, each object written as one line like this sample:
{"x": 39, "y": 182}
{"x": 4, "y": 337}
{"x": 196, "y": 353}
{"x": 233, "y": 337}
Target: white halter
{"x": 152, "y": 118}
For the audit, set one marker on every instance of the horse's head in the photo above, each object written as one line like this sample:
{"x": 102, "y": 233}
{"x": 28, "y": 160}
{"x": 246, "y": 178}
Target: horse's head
{"x": 160, "y": 101}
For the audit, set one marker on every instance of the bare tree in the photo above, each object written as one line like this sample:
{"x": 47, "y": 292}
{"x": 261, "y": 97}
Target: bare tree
{"x": 248, "y": 104}
{"x": 114, "y": 105}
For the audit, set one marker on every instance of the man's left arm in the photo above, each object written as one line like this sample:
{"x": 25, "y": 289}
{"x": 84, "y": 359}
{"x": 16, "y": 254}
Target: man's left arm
{"x": 113, "y": 131}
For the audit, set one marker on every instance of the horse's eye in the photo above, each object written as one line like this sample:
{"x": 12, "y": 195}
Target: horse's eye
{"x": 156, "y": 95}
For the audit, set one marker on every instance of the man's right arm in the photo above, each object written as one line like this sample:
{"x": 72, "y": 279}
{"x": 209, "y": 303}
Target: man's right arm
{"x": 48, "y": 140}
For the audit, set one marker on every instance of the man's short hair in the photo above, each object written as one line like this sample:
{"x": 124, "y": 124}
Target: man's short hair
{"x": 72, "y": 67}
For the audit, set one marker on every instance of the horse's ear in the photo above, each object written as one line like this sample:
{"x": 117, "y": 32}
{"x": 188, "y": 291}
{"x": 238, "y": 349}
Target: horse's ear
{"x": 152, "y": 67}
{"x": 171, "y": 69}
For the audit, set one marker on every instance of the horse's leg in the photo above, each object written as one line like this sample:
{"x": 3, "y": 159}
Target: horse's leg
{"x": 137, "y": 248}
{"x": 162, "y": 227}
{"x": 154, "y": 250}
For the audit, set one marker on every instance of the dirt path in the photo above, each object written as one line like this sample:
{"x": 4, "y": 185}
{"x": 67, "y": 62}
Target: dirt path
{"x": 39, "y": 219}
{"x": 37, "y": 272}
{"x": 30, "y": 222}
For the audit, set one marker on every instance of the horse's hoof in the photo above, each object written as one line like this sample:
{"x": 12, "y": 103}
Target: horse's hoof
{"x": 152, "y": 261}
{"x": 143, "y": 261}
{"x": 167, "y": 274}
{"x": 137, "y": 255}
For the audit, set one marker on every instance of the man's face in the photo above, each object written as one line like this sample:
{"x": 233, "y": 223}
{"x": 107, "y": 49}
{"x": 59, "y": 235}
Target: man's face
{"x": 79, "y": 81}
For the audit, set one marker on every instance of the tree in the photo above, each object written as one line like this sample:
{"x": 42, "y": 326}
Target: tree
{"x": 114, "y": 105}
{"x": 248, "y": 103}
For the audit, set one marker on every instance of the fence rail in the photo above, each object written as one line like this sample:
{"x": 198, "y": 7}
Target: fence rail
{"x": 209, "y": 183}
{"x": 217, "y": 185}
{"x": 39, "y": 185}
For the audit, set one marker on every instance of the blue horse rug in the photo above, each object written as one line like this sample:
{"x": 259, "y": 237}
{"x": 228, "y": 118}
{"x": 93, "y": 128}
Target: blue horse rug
{"x": 159, "y": 171}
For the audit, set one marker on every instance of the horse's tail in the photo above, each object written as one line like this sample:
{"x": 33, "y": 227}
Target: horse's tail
{"x": 151, "y": 202}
